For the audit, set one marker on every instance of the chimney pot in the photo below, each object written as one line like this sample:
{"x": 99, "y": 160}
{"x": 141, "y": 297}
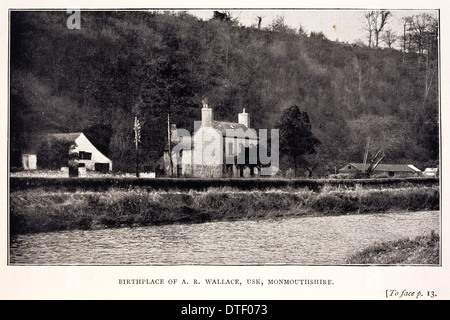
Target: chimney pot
{"x": 244, "y": 118}
{"x": 207, "y": 116}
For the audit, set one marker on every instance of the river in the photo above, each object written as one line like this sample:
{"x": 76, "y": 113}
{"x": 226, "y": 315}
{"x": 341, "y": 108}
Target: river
{"x": 291, "y": 241}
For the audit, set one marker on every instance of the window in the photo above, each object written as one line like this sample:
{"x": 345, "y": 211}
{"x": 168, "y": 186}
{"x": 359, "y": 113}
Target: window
{"x": 82, "y": 155}
{"x": 230, "y": 148}
{"x": 102, "y": 167}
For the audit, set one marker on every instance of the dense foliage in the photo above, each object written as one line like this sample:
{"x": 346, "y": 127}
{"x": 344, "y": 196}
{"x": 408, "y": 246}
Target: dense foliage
{"x": 53, "y": 154}
{"x": 123, "y": 64}
{"x": 296, "y": 138}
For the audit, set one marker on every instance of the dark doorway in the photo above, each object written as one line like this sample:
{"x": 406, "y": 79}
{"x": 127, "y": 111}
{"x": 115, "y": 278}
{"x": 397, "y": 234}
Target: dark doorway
{"x": 101, "y": 167}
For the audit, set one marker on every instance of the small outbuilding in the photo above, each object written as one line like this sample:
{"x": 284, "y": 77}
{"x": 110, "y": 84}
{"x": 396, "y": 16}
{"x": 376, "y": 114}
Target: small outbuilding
{"x": 382, "y": 170}
{"x": 29, "y": 161}
{"x": 431, "y": 172}
{"x": 89, "y": 156}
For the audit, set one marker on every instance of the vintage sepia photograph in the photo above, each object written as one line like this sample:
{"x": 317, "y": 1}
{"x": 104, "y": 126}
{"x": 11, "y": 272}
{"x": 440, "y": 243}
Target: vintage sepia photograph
{"x": 224, "y": 137}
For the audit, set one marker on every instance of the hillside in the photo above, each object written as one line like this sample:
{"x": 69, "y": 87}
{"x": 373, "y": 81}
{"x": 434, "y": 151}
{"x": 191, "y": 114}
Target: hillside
{"x": 125, "y": 64}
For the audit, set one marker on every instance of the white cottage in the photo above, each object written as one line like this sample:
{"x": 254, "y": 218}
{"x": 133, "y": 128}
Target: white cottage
{"x": 217, "y": 148}
{"x": 89, "y": 156}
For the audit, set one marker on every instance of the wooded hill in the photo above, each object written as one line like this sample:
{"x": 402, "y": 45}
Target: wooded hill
{"x": 125, "y": 64}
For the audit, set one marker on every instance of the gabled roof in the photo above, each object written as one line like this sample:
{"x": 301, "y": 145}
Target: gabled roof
{"x": 384, "y": 167}
{"x": 33, "y": 141}
{"x": 72, "y": 137}
{"x": 69, "y": 137}
{"x": 414, "y": 168}
{"x": 223, "y": 126}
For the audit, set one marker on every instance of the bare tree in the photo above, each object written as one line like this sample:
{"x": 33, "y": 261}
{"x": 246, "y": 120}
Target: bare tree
{"x": 420, "y": 34}
{"x": 407, "y": 21}
{"x": 369, "y": 15}
{"x": 427, "y": 41}
{"x": 380, "y": 20}
{"x": 419, "y": 26}
{"x": 375, "y": 22}
{"x": 423, "y": 28}
{"x": 259, "y": 21}
{"x": 389, "y": 37}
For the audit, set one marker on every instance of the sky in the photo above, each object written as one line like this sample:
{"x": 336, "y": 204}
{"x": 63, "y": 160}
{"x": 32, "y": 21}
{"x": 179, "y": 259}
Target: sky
{"x": 343, "y": 25}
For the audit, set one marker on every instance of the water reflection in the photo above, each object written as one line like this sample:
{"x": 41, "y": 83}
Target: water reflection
{"x": 296, "y": 241}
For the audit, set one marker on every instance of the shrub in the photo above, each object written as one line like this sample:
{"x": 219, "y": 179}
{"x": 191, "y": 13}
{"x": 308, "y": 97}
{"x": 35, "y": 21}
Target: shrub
{"x": 53, "y": 154}
{"x": 420, "y": 250}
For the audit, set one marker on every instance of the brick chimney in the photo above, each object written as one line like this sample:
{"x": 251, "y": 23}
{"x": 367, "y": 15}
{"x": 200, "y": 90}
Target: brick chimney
{"x": 244, "y": 118}
{"x": 207, "y": 114}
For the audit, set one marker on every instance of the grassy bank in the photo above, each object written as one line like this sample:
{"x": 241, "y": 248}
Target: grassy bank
{"x": 39, "y": 210}
{"x": 420, "y": 250}
{"x": 104, "y": 183}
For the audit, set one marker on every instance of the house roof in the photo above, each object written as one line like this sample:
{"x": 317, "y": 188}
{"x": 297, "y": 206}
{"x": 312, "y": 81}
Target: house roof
{"x": 72, "y": 137}
{"x": 223, "y": 126}
{"x": 383, "y": 167}
{"x": 69, "y": 137}
{"x": 33, "y": 141}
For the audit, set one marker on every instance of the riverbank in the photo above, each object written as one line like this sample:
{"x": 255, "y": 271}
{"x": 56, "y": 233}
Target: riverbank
{"x": 104, "y": 182}
{"x": 420, "y": 250}
{"x": 41, "y": 210}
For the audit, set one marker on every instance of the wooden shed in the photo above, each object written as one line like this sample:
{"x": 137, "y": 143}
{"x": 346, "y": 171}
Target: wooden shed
{"x": 384, "y": 170}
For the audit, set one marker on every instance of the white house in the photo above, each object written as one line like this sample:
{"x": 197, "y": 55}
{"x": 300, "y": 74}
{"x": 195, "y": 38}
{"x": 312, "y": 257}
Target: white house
{"x": 217, "y": 148}
{"x": 89, "y": 156}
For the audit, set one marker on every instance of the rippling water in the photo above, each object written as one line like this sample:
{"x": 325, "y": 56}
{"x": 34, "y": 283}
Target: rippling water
{"x": 293, "y": 241}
